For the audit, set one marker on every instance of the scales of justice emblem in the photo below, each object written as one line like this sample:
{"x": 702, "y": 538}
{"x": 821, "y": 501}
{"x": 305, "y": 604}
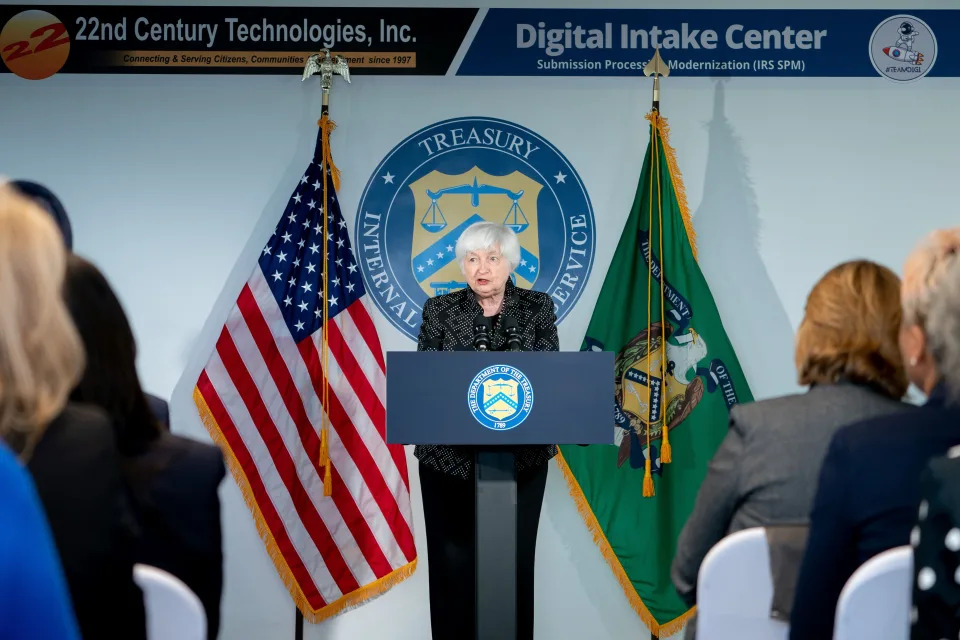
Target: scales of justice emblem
{"x": 451, "y": 203}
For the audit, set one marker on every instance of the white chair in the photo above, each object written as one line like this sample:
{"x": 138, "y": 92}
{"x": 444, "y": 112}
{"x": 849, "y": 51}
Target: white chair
{"x": 174, "y": 612}
{"x": 875, "y": 602}
{"x": 735, "y": 591}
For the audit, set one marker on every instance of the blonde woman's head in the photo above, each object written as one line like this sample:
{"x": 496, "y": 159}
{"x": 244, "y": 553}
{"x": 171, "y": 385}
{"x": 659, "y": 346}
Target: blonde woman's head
{"x": 41, "y": 356}
{"x": 923, "y": 275}
{"x": 849, "y": 329}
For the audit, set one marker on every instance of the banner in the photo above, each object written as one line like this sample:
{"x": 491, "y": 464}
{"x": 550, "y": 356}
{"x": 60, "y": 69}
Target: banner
{"x": 761, "y": 43}
{"x": 38, "y": 41}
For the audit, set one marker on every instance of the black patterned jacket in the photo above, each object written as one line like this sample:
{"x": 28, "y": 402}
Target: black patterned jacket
{"x": 448, "y": 326}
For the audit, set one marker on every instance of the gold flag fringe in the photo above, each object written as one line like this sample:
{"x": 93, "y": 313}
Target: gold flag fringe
{"x": 664, "y": 128}
{"x": 600, "y": 539}
{"x": 346, "y": 602}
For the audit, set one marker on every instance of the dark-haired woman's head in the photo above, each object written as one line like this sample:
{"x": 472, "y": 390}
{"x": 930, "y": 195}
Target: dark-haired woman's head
{"x": 110, "y": 379}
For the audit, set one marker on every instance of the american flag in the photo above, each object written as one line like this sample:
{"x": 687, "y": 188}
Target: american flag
{"x": 261, "y": 396}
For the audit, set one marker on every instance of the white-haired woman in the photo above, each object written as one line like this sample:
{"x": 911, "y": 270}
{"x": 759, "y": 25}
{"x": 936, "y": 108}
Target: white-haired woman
{"x": 936, "y": 538}
{"x": 487, "y": 253}
{"x": 869, "y": 484}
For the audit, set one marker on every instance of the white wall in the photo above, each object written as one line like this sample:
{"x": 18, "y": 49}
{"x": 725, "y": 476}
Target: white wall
{"x": 174, "y": 183}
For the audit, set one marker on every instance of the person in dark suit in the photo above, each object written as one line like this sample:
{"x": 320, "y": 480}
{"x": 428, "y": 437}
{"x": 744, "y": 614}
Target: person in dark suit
{"x": 487, "y": 253}
{"x": 173, "y": 480}
{"x": 160, "y": 410}
{"x": 765, "y": 471}
{"x": 936, "y": 536}
{"x": 69, "y": 449}
{"x": 868, "y": 491}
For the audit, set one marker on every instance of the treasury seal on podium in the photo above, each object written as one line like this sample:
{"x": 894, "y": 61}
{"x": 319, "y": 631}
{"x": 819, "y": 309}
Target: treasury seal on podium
{"x": 500, "y": 397}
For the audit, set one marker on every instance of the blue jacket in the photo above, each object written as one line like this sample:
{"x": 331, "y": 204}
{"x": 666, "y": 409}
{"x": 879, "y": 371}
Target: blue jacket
{"x": 866, "y": 502}
{"x": 34, "y": 601}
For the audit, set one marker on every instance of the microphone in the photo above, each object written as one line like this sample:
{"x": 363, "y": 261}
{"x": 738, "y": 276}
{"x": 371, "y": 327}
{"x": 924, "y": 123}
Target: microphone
{"x": 512, "y": 330}
{"x": 481, "y": 332}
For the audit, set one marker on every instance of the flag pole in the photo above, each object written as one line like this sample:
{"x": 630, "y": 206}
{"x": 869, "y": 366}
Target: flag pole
{"x": 656, "y": 68}
{"x": 327, "y": 66}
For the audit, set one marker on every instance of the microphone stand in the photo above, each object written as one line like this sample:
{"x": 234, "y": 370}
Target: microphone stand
{"x": 495, "y": 481}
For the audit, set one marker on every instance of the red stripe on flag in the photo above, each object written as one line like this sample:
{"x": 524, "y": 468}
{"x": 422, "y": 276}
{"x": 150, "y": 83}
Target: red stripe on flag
{"x": 344, "y": 502}
{"x": 361, "y": 455}
{"x": 368, "y": 330}
{"x": 270, "y": 516}
{"x": 284, "y": 464}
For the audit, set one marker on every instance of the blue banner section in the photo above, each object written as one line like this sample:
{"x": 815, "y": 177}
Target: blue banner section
{"x": 899, "y": 45}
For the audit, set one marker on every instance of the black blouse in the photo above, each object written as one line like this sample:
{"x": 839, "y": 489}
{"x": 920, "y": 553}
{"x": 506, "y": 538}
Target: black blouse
{"x": 448, "y": 326}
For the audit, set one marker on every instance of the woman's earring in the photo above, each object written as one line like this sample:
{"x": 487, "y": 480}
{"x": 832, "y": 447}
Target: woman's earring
{"x": 913, "y": 361}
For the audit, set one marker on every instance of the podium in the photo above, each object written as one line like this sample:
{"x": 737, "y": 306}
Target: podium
{"x": 491, "y": 400}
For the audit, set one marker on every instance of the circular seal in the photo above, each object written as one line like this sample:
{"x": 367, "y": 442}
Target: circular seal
{"x": 903, "y": 48}
{"x": 500, "y": 397}
{"x": 34, "y": 44}
{"x": 443, "y": 178}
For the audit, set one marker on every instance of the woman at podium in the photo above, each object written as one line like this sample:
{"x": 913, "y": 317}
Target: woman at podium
{"x": 492, "y": 313}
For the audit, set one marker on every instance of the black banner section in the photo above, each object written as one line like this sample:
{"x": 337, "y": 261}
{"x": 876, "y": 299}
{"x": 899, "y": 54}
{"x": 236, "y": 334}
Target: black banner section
{"x": 38, "y": 41}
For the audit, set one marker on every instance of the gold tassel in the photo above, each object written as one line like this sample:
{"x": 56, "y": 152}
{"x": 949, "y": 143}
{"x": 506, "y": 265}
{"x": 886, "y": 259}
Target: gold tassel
{"x": 666, "y": 454}
{"x": 327, "y": 126}
{"x": 325, "y": 461}
{"x": 648, "y": 491}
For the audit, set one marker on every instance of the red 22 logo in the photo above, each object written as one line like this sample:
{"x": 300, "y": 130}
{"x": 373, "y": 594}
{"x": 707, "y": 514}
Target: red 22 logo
{"x": 58, "y": 36}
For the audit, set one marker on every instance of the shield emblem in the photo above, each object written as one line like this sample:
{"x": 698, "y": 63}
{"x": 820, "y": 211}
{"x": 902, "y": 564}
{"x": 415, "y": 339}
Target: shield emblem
{"x": 500, "y": 397}
{"x": 652, "y": 383}
{"x": 448, "y": 204}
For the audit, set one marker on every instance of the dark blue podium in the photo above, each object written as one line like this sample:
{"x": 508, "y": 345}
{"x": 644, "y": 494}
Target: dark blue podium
{"x": 489, "y": 400}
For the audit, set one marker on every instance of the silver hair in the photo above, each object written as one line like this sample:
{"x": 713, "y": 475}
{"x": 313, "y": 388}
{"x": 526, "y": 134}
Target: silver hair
{"x": 943, "y": 330}
{"x": 485, "y": 236}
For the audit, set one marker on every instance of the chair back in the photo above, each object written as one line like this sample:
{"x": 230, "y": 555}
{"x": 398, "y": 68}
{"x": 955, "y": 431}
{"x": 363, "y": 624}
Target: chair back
{"x": 875, "y": 602}
{"x": 735, "y": 591}
{"x": 174, "y": 612}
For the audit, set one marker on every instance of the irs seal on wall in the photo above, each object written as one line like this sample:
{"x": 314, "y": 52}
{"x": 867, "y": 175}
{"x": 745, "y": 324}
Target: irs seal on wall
{"x": 451, "y": 174}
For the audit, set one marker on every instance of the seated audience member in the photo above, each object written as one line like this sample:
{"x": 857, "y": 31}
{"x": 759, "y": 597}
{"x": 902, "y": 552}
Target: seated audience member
{"x": 69, "y": 449}
{"x": 49, "y": 201}
{"x": 765, "y": 470}
{"x": 936, "y": 537}
{"x": 936, "y": 553}
{"x": 868, "y": 491}
{"x": 34, "y": 602}
{"x": 173, "y": 480}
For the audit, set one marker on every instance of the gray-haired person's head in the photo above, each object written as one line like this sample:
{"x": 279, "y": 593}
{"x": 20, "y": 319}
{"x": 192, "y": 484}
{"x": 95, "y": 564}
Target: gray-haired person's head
{"x": 943, "y": 329}
{"x": 487, "y": 236}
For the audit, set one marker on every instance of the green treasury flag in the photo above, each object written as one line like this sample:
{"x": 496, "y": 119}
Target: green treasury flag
{"x": 676, "y": 378}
